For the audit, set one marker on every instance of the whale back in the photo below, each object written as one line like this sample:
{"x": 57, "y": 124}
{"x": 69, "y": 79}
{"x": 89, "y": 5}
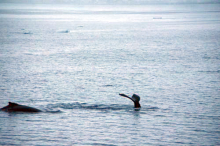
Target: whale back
{"x": 9, "y": 106}
{"x": 12, "y": 104}
{"x": 14, "y": 107}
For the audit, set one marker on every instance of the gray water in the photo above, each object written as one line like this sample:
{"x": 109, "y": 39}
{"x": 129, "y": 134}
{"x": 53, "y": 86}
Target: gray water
{"x": 72, "y": 62}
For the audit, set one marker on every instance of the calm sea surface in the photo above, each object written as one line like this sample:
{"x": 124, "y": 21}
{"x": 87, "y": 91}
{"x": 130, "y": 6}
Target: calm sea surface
{"x": 72, "y": 62}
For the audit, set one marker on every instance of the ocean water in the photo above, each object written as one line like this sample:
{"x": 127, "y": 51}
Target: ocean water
{"x": 72, "y": 61}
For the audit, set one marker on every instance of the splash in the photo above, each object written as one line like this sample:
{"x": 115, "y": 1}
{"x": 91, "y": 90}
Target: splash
{"x": 100, "y": 107}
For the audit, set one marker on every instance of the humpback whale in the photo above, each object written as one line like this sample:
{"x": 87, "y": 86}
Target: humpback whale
{"x": 14, "y": 107}
{"x": 135, "y": 98}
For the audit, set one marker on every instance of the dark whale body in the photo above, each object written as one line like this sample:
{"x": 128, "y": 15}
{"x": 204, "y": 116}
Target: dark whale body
{"x": 135, "y": 98}
{"x": 14, "y": 107}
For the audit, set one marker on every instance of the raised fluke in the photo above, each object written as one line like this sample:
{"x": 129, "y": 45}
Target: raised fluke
{"x": 135, "y": 98}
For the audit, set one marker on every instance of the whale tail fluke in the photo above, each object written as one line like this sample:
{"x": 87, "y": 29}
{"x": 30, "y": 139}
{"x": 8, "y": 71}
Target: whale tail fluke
{"x": 135, "y": 98}
{"x": 121, "y": 94}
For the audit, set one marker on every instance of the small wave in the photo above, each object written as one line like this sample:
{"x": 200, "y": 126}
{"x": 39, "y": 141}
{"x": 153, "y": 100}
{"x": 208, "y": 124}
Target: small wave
{"x": 214, "y": 71}
{"x": 152, "y": 108}
{"x": 157, "y": 17}
{"x": 27, "y": 32}
{"x": 100, "y": 144}
{"x": 63, "y": 31}
{"x": 53, "y": 111}
{"x": 107, "y": 85}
